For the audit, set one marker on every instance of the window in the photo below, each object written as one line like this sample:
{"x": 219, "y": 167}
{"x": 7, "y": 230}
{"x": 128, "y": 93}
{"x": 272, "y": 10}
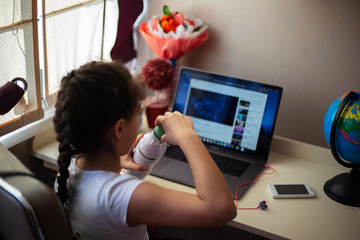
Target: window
{"x": 19, "y": 58}
{"x": 42, "y": 40}
{"x": 76, "y": 32}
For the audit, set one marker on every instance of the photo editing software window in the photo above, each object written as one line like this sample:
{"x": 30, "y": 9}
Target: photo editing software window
{"x": 225, "y": 115}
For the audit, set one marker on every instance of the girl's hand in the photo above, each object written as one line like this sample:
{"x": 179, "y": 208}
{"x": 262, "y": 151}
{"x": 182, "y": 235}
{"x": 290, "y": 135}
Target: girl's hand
{"x": 178, "y": 128}
{"x": 127, "y": 160}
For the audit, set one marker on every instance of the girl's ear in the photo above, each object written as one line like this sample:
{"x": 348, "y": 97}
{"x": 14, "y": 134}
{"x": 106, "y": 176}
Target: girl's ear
{"x": 119, "y": 129}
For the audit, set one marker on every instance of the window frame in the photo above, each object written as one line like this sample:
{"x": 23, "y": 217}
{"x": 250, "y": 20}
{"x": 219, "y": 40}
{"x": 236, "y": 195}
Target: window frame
{"x": 27, "y": 117}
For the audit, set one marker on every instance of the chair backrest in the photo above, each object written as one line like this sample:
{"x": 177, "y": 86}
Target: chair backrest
{"x": 29, "y": 209}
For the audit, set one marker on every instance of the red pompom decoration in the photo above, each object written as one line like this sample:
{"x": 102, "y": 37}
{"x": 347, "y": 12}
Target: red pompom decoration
{"x": 157, "y": 74}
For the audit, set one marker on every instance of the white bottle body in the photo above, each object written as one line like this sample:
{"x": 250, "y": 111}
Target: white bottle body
{"x": 148, "y": 151}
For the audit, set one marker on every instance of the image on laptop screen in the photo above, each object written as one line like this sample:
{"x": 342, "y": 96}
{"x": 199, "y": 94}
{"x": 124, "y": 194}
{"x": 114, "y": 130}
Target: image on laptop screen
{"x": 230, "y": 113}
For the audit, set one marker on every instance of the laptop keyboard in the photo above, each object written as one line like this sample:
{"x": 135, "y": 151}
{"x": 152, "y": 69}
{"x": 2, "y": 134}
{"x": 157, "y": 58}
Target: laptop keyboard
{"x": 225, "y": 164}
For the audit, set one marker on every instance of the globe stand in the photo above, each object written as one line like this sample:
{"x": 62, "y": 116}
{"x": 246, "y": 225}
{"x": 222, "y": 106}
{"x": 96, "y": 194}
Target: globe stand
{"x": 343, "y": 188}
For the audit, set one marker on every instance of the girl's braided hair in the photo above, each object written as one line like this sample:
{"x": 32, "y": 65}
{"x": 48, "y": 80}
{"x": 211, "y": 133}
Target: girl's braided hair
{"x": 90, "y": 100}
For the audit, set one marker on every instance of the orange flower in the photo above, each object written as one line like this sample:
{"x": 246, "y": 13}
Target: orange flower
{"x": 168, "y": 23}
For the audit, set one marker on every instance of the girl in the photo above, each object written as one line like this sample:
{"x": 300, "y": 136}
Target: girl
{"x": 96, "y": 125}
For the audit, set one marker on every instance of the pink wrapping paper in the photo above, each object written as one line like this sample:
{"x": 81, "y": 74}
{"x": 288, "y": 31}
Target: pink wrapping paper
{"x": 169, "y": 48}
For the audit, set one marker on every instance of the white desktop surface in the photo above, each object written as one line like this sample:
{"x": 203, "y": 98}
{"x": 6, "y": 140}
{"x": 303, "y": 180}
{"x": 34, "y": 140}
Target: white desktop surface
{"x": 295, "y": 162}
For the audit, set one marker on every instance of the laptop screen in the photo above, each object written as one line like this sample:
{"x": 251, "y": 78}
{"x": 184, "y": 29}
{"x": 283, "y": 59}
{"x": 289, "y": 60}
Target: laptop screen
{"x": 230, "y": 113}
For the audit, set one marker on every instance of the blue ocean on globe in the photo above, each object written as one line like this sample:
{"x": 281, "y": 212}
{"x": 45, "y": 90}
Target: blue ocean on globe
{"x": 347, "y": 136}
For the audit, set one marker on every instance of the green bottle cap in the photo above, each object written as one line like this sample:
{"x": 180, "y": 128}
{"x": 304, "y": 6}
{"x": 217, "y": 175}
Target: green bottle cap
{"x": 159, "y": 131}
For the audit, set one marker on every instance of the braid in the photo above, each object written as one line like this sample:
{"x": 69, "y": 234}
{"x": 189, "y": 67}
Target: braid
{"x": 65, "y": 149}
{"x": 63, "y": 162}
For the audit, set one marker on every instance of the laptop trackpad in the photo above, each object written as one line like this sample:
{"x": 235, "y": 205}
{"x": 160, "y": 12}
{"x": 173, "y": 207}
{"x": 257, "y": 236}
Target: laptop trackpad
{"x": 176, "y": 171}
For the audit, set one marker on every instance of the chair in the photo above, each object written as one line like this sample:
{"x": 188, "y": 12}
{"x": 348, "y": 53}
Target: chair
{"x": 29, "y": 209}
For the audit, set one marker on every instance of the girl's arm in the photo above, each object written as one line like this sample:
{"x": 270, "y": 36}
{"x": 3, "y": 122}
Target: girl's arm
{"x": 211, "y": 205}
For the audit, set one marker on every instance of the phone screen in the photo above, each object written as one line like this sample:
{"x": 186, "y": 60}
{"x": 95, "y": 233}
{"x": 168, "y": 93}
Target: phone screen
{"x": 291, "y": 189}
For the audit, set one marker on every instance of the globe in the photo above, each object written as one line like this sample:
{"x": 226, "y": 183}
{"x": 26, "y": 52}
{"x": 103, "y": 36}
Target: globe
{"x": 342, "y": 133}
{"x": 347, "y": 136}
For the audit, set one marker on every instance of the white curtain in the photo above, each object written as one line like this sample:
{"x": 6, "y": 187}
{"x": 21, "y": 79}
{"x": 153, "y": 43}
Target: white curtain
{"x": 74, "y": 35}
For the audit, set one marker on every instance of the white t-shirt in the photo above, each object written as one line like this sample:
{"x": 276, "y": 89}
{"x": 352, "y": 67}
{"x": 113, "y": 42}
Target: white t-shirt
{"x": 100, "y": 204}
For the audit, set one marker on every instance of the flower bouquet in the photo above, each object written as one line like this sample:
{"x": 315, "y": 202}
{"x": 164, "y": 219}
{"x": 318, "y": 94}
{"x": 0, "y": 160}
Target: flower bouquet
{"x": 157, "y": 74}
{"x": 173, "y": 35}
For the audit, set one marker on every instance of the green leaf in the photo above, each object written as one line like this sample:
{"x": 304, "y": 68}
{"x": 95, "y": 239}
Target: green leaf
{"x": 167, "y": 11}
{"x": 198, "y": 28}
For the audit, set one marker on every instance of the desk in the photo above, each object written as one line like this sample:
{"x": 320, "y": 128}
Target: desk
{"x": 295, "y": 162}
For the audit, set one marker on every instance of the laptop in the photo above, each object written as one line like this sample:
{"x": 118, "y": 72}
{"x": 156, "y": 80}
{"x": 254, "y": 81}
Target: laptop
{"x": 235, "y": 120}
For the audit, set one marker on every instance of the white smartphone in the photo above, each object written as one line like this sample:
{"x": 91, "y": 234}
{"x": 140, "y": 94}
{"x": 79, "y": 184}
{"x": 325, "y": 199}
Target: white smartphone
{"x": 291, "y": 191}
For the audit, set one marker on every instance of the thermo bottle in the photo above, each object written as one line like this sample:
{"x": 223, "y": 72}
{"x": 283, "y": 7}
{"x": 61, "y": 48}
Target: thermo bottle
{"x": 149, "y": 150}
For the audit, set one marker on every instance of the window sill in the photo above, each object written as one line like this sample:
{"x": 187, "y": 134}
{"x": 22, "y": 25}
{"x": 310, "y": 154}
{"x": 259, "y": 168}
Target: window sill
{"x": 22, "y": 134}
